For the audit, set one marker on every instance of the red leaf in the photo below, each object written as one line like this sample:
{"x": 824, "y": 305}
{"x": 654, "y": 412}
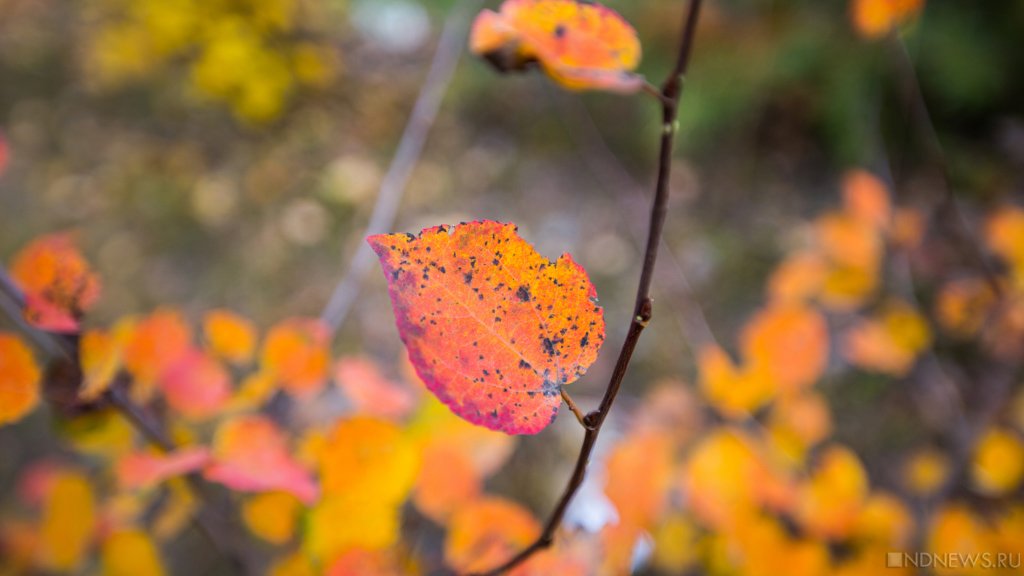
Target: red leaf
{"x": 493, "y": 328}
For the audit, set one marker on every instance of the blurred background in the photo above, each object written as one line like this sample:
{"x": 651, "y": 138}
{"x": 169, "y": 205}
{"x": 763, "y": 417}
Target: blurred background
{"x": 228, "y": 153}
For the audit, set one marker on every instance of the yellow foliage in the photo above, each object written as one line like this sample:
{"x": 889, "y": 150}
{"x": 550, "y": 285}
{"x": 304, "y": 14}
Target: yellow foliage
{"x": 890, "y": 341}
{"x": 926, "y": 471}
{"x": 272, "y": 516}
{"x": 346, "y": 520}
{"x": 68, "y": 523}
{"x": 131, "y": 553}
{"x": 230, "y": 336}
{"x": 370, "y": 459}
{"x": 831, "y": 501}
{"x": 998, "y": 464}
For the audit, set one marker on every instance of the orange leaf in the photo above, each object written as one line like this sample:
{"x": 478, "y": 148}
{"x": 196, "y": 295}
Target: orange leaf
{"x": 59, "y": 285}
{"x": 889, "y": 342}
{"x": 369, "y": 458}
{"x": 144, "y": 469}
{"x": 448, "y": 479}
{"x": 638, "y": 476}
{"x": 196, "y": 385}
{"x": 370, "y": 392}
{"x": 493, "y": 328}
{"x": 866, "y": 198}
{"x": 790, "y": 341}
{"x": 581, "y": 45}
{"x": 831, "y": 501}
{"x": 487, "y": 532}
{"x": 362, "y": 562}
{"x": 19, "y": 379}
{"x": 296, "y": 353}
{"x": 251, "y": 455}
{"x": 230, "y": 336}
{"x": 875, "y": 18}
{"x": 156, "y": 343}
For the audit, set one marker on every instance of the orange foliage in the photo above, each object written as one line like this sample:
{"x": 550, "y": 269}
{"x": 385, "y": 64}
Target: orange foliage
{"x": 487, "y": 532}
{"x": 580, "y": 45}
{"x": 875, "y": 18}
{"x": 369, "y": 458}
{"x": 196, "y": 385}
{"x": 131, "y": 553}
{"x": 145, "y": 470}
{"x": 19, "y": 379}
{"x": 830, "y": 502}
{"x": 493, "y": 328}
{"x": 157, "y": 342}
{"x": 251, "y": 454}
{"x": 370, "y": 392}
{"x": 230, "y": 336}
{"x": 791, "y": 343}
{"x": 296, "y": 353}
{"x": 58, "y": 282}
{"x": 448, "y": 479}
{"x": 866, "y": 198}
{"x": 889, "y": 342}
{"x": 638, "y": 475}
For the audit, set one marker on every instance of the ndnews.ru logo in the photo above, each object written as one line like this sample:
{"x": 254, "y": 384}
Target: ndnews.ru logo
{"x": 978, "y": 560}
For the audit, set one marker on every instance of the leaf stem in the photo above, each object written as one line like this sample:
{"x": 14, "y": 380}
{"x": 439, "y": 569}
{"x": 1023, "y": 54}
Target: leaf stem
{"x": 573, "y": 407}
{"x": 670, "y": 92}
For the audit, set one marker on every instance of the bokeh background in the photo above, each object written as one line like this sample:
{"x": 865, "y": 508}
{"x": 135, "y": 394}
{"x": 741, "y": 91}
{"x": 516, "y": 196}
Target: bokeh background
{"x": 227, "y": 153}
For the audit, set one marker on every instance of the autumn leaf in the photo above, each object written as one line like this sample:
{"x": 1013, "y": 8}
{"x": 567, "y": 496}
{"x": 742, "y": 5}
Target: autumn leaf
{"x": 272, "y": 516}
{"x": 875, "y": 18}
{"x": 889, "y": 342}
{"x": 296, "y": 353}
{"x": 926, "y": 471}
{"x": 156, "y": 343}
{"x": 196, "y": 386}
{"x": 370, "y": 391}
{"x": 369, "y": 458}
{"x": 493, "y": 328}
{"x": 19, "y": 379}
{"x": 131, "y": 553}
{"x": 68, "y": 523}
{"x": 251, "y": 454}
{"x": 487, "y": 532}
{"x": 581, "y": 45}
{"x": 58, "y": 282}
{"x": 229, "y": 336}
{"x": 144, "y": 469}
{"x": 832, "y": 498}
{"x": 998, "y": 464}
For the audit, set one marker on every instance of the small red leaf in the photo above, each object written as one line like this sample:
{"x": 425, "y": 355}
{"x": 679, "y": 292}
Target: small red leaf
{"x": 493, "y": 328}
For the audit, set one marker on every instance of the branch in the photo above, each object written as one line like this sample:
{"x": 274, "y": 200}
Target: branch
{"x": 424, "y": 112}
{"x": 671, "y": 90}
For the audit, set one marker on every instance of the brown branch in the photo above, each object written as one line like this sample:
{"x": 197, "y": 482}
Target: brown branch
{"x": 671, "y": 90}
{"x": 574, "y": 408}
{"x": 428, "y": 103}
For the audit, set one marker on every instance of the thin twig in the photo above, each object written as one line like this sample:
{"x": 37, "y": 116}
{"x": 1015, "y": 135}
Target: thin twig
{"x": 642, "y": 310}
{"x": 949, "y": 208}
{"x": 424, "y": 112}
{"x": 573, "y": 407}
